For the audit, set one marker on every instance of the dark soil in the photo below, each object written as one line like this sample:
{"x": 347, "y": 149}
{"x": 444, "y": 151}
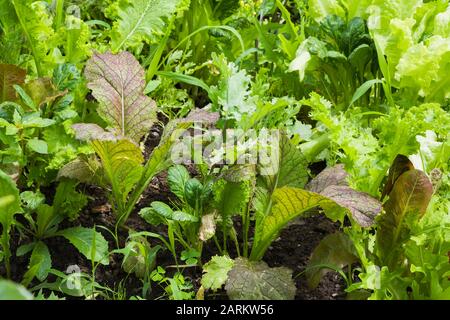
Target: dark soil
{"x": 292, "y": 249}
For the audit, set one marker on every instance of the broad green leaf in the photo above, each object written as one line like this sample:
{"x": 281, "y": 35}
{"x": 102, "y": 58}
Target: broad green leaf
{"x": 249, "y": 280}
{"x": 151, "y": 216}
{"x": 288, "y": 203}
{"x": 39, "y": 146}
{"x": 117, "y": 82}
{"x": 407, "y": 203}
{"x": 11, "y": 200}
{"x": 162, "y": 209}
{"x": 122, "y": 164}
{"x": 183, "y": 217}
{"x": 193, "y": 191}
{"x": 335, "y": 251}
{"x": 140, "y": 20}
{"x": 177, "y": 176}
{"x": 13, "y": 291}
{"x": 83, "y": 239}
{"x": 230, "y": 199}
{"x": 40, "y": 263}
{"x": 37, "y": 122}
{"x": 215, "y": 272}
{"x": 286, "y": 167}
{"x": 10, "y": 75}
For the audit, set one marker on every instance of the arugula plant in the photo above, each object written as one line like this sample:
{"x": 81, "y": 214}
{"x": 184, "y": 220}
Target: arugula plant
{"x": 43, "y": 223}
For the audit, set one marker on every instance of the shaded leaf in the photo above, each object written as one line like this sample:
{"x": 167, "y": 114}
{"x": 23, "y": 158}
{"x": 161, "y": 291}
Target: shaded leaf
{"x": 89, "y": 242}
{"x": 335, "y": 250}
{"x": 42, "y": 90}
{"x": 80, "y": 170}
{"x": 256, "y": 281}
{"x": 10, "y": 75}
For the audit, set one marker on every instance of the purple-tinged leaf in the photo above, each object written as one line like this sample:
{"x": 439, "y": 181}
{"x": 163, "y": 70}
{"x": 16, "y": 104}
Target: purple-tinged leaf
{"x": 334, "y": 176}
{"x": 203, "y": 116}
{"x": 117, "y": 82}
{"x": 91, "y": 131}
{"x": 362, "y": 206}
{"x": 400, "y": 165}
{"x": 10, "y": 75}
{"x": 408, "y": 202}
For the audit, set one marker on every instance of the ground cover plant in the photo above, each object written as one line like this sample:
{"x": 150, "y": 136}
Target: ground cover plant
{"x": 224, "y": 149}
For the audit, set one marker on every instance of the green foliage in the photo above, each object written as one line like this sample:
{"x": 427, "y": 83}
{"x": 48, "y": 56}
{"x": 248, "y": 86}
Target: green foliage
{"x": 215, "y": 272}
{"x": 139, "y": 21}
{"x": 250, "y": 280}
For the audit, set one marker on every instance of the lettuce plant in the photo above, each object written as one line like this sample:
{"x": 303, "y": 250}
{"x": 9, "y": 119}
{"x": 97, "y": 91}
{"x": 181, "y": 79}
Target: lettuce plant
{"x": 402, "y": 253}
